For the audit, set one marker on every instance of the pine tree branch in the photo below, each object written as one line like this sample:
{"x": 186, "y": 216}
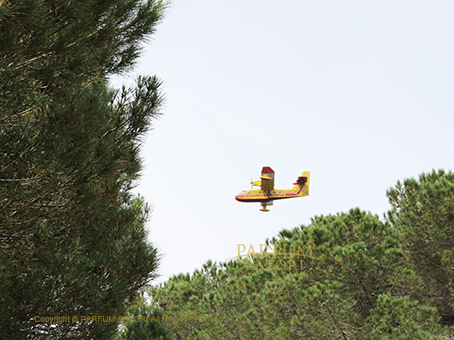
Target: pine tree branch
{"x": 336, "y": 323}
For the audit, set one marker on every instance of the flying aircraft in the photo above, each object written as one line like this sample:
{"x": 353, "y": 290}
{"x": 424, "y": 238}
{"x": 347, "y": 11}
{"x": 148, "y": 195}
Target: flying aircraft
{"x": 267, "y": 194}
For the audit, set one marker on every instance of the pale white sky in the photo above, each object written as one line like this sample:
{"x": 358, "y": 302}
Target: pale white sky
{"x": 360, "y": 93}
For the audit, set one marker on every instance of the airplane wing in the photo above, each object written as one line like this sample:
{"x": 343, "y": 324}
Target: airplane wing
{"x": 257, "y": 183}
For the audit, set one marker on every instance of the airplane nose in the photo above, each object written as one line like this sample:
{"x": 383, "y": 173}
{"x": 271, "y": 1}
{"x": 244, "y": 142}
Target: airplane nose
{"x": 240, "y": 198}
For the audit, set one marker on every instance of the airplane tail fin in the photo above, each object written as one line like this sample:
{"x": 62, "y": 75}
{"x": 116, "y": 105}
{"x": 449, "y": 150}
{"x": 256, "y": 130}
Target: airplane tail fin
{"x": 302, "y": 184}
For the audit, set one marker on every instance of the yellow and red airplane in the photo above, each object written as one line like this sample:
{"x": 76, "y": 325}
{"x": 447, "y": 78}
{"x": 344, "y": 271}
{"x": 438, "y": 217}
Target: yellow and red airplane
{"x": 267, "y": 194}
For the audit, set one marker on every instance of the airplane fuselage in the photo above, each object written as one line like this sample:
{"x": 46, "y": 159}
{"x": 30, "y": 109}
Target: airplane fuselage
{"x": 267, "y": 196}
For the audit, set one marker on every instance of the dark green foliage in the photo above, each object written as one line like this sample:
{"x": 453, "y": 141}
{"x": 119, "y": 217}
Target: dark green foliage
{"x": 144, "y": 322}
{"x": 72, "y": 236}
{"x": 348, "y": 280}
{"x": 400, "y": 318}
{"x": 423, "y": 212}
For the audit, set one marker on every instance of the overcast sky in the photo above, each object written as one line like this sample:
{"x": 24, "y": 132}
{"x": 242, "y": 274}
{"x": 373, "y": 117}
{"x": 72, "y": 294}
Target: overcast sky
{"x": 359, "y": 93}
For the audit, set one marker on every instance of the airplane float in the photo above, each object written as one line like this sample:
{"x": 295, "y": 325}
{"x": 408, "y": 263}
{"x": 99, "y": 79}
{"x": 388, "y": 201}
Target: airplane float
{"x": 267, "y": 194}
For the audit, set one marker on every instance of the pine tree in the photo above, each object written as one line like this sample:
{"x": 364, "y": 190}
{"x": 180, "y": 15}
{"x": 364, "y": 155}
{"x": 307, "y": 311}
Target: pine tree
{"x": 423, "y": 212}
{"x": 72, "y": 236}
{"x": 343, "y": 277}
